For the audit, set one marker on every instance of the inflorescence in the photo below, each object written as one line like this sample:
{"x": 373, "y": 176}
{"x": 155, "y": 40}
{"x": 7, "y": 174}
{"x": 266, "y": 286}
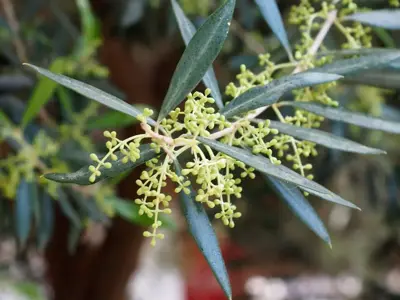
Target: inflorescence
{"x": 219, "y": 177}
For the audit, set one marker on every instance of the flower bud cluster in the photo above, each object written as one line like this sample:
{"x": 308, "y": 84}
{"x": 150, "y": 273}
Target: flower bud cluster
{"x": 198, "y": 118}
{"x": 129, "y": 148}
{"x": 219, "y": 181}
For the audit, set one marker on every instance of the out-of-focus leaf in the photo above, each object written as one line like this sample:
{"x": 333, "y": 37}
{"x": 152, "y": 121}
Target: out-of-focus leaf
{"x": 42, "y": 93}
{"x": 89, "y": 23}
{"x": 132, "y": 12}
{"x": 81, "y": 176}
{"x": 26, "y": 196}
{"x": 361, "y": 51}
{"x": 359, "y": 64}
{"x": 65, "y": 101}
{"x": 10, "y": 83}
{"x": 4, "y": 120}
{"x": 291, "y": 195}
{"x": 188, "y": 30}
{"x": 263, "y": 164}
{"x": 348, "y": 117}
{"x": 268, "y": 94}
{"x": 198, "y": 57}
{"x": 385, "y": 37}
{"x": 270, "y": 11}
{"x": 75, "y": 156}
{"x": 91, "y": 93}
{"x": 74, "y": 236}
{"x": 87, "y": 206}
{"x": 30, "y": 290}
{"x": 388, "y": 78}
{"x": 46, "y": 222}
{"x": 204, "y": 235}
{"x": 67, "y": 208}
{"x": 385, "y": 18}
{"x": 393, "y": 64}
{"x": 324, "y": 138}
{"x": 130, "y": 211}
{"x": 112, "y": 119}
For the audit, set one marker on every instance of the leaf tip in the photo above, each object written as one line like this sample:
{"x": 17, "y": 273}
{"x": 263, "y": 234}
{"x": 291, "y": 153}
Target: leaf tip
{"x": 28, "y": 65}
{"x": 52, "y": 177}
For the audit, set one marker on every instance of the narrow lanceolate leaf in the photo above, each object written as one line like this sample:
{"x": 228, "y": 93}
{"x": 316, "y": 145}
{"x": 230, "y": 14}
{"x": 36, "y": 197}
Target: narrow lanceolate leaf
{"x": 198, "y": 56}
{"x": 270, "y": 11}
{"x": 204, "y": 235}
{"x": 26, "y": 196}
{"x": 385, "y": 18}
{"x": 394, "y": 64}
{"x": 361, "y": 51}
{"x": 324, "y": 138}
{"x": 81, "y": 176}
{"x": 348, "y": 117}
{"x": 188, "y": 30}
{"x": 264, "y": 165}
{"x": 129, "y": 210}
{"x": 270, "y": 93}
{"x": 4, "y": 120}
{"x": 111, "y": 120}
{"x": 74, "y": 236}
{"x": 388, "y": 78}
{"x": 91, "y": 92}
{"x": 67, "y": 209}
{"x": 46, "y": 222}
{"x": 42, "y": 93}
{"x": 87, "y": 206}
{"x": 360, "y": 64}
{"x": 300, "y": 206}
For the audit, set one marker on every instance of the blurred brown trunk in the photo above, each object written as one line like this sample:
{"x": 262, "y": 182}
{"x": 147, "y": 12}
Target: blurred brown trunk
{"x": 102, "y": 272}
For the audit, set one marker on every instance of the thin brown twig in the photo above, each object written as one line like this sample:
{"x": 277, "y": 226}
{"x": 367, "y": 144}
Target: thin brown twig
{"x": 14, "y": 27}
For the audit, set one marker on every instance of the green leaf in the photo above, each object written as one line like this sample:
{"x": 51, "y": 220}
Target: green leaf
{"x": 65, "y": 100}
{"x": 198, "y": 57}
{"x": 74, "y": 236}
{"x": 388, "y": 78}
{"x": 268, "y": 94}
{"x": 67, "y": 208}
{"x": 392, "y": 64}
{"x": 264, "y": 165}
{"x": 385, "y": 37}
{"x": 270, "y": 11}
{"x": 27, "y": 194}
{"x": 91, "y": 93}
{"x": 291, "y": 195}
{"x": 348, "y": 117}
{"x": 89, "y": 23}
{"x": 361, "y": 51}
{"x": 323, "y": 138}
{"x": 81, "y": 176}
{"x": 128, "y": 210}
{"x": 30, "y": 290}
{"x": 204, "y": 235}
{"x": 363, "y": 63}
{"x": 4, "y": 120}
{"x": 87, "y": 206}
{"x": 385, "y": 18}
{"x": 42, "y": 93}
{"x": 188, "y": 30}
{"x": 46, "y": 222}
{"x": 112, "y": 119}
